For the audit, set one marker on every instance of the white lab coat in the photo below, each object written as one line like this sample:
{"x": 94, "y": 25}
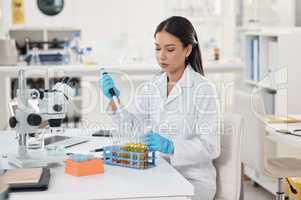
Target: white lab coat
{"x": 189, "y": 117}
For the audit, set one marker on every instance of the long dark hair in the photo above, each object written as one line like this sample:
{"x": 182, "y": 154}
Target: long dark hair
{"x": 182, "y": 28}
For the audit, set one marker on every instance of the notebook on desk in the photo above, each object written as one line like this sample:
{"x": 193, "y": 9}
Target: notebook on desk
{"x": 272, "y": 119}
{"x": 23, "y": 179}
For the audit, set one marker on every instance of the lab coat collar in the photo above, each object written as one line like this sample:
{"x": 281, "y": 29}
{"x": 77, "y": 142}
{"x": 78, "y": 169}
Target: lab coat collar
{"x": 185, "y": 81}
{"x": 187, "y": 77}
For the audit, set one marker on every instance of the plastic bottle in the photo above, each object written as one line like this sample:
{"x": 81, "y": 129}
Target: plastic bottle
{"x": 76, "y": 47}
{"x": 214, "y": 51}
{"x": 88, "y": 56}
{"x": 35, "y": 58}
{"x": 68, "y": 57}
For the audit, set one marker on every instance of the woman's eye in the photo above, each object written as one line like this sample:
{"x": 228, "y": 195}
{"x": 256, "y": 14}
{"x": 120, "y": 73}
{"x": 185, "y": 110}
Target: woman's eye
{"x": 157, "y": 49}
{"x": 170, "y": 50}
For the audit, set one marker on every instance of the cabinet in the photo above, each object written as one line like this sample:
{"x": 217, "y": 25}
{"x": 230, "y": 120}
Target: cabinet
{"x": 52, "y": 38}
{"x": 43, "y": 34}
{"x": 272, "y": 62}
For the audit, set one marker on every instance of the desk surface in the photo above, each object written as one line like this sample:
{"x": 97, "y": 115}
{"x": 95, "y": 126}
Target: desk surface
{"x": 294, "y": 141}
{"x": 162, "y": 181}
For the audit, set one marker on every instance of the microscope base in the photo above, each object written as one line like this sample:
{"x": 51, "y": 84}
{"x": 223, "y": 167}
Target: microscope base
{"x": 36, "y": 158}
{"x": 30, "y": 161}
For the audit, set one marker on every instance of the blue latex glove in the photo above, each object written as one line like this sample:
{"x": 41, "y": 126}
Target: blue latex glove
{"x": 106, "y": 83}
{"x": 156, "y": 142}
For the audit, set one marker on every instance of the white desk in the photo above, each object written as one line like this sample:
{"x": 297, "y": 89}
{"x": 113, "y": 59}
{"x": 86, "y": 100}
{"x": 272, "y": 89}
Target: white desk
{"x": 160, "y": 182}
{"x": 287, "y": 139}
{"x": 267, "y": 182}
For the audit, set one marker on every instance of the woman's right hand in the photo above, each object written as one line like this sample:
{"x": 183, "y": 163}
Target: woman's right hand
{"x": 106, "y": 83}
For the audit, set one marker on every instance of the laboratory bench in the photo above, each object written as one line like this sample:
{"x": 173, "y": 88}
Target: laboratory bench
{"x": 159, "y": 182}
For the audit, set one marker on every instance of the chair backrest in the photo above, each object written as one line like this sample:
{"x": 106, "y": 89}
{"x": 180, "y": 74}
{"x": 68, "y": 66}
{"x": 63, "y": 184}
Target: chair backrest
{"x": 251, "y": 107}
{"x": 228, "y": 164}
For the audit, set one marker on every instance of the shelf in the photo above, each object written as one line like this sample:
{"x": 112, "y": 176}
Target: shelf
{"x": 41, "y": 34}
{"x": 261, "y": 85}
{"x": 268, "y": 31}
{"x": 262, "y": 55}
{"x": 26, "y": 28}
{"x": 229, "y": 65}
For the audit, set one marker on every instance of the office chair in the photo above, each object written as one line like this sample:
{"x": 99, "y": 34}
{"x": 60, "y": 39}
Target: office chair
{"x": 228, "y": 164}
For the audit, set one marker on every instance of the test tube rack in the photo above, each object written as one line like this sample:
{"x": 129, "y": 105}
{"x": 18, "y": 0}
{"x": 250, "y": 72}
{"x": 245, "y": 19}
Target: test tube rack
{"x": 116, "y": 155}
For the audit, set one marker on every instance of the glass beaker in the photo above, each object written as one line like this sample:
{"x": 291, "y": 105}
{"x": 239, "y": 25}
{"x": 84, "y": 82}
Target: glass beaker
{"x": 115, "y": 136}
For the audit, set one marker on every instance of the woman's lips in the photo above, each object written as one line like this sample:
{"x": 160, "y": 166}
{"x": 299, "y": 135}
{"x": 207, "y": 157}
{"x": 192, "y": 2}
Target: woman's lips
{"x": 163, "y": 65}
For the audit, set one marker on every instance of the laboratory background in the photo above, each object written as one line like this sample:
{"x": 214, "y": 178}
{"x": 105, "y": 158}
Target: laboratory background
{"x": 56, "y": 132}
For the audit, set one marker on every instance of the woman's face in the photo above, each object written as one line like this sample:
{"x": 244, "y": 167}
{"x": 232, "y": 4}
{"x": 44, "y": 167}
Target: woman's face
{"x": 170, "y": 53}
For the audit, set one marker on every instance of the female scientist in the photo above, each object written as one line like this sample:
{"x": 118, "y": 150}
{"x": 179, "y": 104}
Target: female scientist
{"x": 181, "y": 105}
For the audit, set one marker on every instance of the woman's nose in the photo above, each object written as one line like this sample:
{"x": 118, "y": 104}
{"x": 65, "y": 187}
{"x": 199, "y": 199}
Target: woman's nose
{"x": 162, "y": 55}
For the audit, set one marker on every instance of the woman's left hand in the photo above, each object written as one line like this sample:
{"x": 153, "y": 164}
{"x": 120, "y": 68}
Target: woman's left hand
{"x": 155, "y": 142}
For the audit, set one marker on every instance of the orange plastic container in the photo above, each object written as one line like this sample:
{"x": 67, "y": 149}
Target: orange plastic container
{"x": 85, "y": 168}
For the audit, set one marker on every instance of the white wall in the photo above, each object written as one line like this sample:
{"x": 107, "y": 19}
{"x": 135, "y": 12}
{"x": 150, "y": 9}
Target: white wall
{"x": 1, "y": 19}
{"x": 286, "y": 9}
{"x": 229, "y": 28}
{"x": 121, "y": 31}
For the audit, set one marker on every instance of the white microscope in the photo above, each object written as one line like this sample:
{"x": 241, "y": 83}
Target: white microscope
{"x": 51, "y": 106}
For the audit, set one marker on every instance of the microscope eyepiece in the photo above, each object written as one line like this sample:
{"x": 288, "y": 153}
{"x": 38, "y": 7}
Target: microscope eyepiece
{"x": 55, "y": 122}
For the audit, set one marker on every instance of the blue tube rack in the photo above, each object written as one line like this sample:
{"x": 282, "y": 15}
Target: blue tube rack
{"x": 115, "y": 155}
